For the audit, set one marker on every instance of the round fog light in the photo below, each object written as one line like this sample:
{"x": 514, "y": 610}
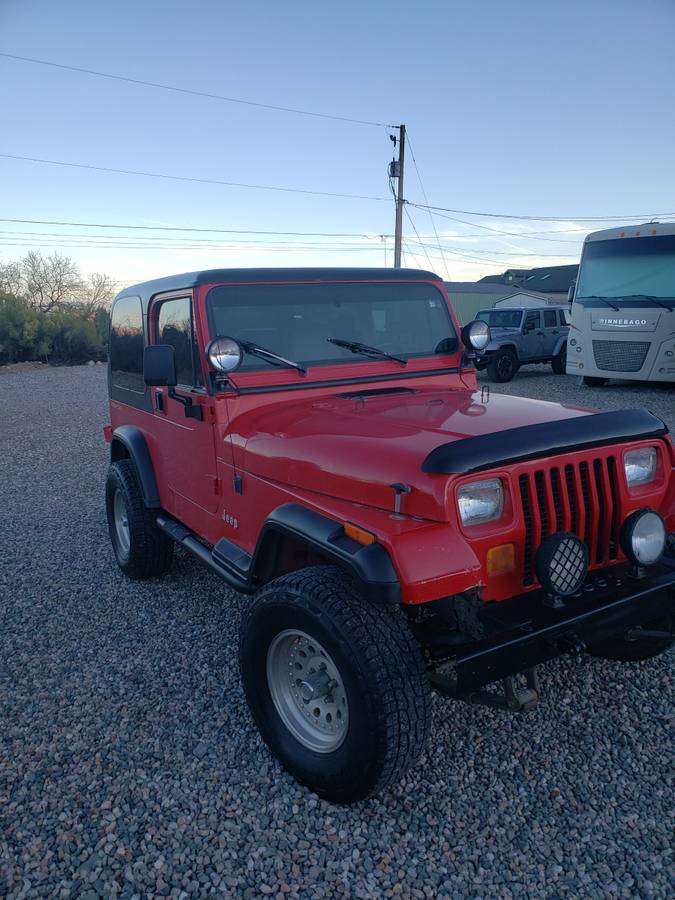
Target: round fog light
{"x": 561, "y": 563}
{"x": 643, "y": 537}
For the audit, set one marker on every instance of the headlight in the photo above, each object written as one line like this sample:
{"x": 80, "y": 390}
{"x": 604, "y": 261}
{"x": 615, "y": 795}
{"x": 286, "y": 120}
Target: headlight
{"x": 480, "y": 501}
{"x": 640, "y": 466}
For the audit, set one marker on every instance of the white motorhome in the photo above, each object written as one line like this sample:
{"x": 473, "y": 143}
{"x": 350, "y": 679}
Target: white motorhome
{"x": 622, "y": 321}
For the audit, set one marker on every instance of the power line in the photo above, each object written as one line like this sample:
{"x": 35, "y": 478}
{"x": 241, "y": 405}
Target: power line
{"x": 259, "y": 187}
{"x": 407, "y": 212}
{"x": 188, "y": 228}
{"x": 466, "y": 212}
{"x": 194, "y": 93}
{"x": 426, "y": 200}
{"x": 518, "y": 234}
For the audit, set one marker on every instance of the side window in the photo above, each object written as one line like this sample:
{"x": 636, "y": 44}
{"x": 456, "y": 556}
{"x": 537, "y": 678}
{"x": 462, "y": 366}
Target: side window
{"x": 126, "y": 345}
{"x": 532, "y": 320}
{"x": 175, "y": 327}
{"x": 563, "y": 317}
{"x": 549, "y": 318}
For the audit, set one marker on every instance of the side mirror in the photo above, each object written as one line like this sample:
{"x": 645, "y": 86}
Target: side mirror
{"x": 570, "y": 292}
{"x": 159, "y": 366}
{"x": 476, "y": 335}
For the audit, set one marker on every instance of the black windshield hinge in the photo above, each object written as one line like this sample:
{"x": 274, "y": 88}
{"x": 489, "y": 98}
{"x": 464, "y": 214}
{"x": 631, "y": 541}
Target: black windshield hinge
{"x": 192, "y": 409}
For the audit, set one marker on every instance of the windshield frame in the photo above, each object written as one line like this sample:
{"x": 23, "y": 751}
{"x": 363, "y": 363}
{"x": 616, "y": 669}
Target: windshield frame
{"x": 438, "y": 359}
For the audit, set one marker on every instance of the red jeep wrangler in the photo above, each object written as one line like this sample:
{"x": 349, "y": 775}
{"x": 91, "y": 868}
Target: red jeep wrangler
{"x": 316, "y": 437}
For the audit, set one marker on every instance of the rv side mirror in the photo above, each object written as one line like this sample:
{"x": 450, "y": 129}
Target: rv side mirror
{"x": 570, "y": 292}
{"x": 159, "y": 366}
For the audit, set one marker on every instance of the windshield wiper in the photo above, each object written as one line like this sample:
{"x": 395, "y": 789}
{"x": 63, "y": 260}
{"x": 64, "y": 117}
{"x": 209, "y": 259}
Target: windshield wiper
{"x": 366, "y": 350}
{"x": 604, "y": 300}
{"x": 648, "y": 297}
{"x": 273, "y": 358}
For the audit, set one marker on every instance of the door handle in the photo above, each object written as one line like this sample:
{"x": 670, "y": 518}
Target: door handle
{"x": 540, "y": 333}
{"x": 555, "y": 331}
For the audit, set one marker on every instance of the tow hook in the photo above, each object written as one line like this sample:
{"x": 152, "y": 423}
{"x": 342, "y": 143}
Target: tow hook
{"x": 514, "y": 698}
{"x": 573, "y": 646}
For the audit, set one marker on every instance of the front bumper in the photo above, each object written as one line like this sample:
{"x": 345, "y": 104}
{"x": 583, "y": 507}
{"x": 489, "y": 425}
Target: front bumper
{"x": 524, "y": 631}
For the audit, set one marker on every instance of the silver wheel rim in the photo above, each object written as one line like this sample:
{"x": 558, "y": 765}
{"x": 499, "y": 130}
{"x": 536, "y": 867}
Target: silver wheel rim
{"x": 308, "y": 691}
{"x": 121, "y": 522}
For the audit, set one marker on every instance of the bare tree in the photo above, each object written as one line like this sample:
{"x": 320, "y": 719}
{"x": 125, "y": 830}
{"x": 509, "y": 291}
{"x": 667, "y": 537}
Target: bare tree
{"x": 10, "y": 278}
{"x": 48, "y": 281}
{"x": 95, "y": 293}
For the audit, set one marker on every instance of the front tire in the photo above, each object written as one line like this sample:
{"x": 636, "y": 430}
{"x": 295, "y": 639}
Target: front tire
{"x": 502, "y": 366}
{"x": 559, "y": 362}
{"x": 141, "y": 549}
{"x": 336, "y": 684}
{"x": 620, "y": 649}
{"x": 592, "y": 381}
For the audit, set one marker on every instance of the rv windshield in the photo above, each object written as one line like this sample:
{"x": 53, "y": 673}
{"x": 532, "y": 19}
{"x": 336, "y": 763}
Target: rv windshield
{"x": 628, "y": 267}
{"x": 501, "y": 318}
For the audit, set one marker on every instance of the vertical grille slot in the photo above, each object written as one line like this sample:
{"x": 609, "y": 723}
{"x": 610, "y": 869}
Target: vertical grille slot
{"x": 527, "y": 519}
{"x": 571, "y": 499}
{"x": 586, "y": 500}
{"x": 557, "y": 501}
{"x": 541, "y": 502}
{"x": 614, "y": 491}
{"x": 603, "y": 519}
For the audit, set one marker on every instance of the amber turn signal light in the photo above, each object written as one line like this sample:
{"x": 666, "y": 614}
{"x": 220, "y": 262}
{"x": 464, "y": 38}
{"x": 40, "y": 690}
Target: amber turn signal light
{"x": 358, "y": 534}
{"x": 501, "y": 558}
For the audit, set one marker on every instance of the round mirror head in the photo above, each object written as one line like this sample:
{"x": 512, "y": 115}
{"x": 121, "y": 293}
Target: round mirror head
{"x": 225, "y": 354}
{"x": 477, "y": 334}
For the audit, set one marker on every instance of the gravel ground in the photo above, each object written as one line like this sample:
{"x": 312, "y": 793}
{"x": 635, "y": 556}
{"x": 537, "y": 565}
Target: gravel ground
{"x": 129, "y": 765}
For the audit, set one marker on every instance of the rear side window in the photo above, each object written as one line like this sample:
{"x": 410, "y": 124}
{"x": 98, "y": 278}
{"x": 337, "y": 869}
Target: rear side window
{"x": 549, "y": 318}
{"x": 126, "y": 345}
{"x": 175, "y": 326}
{"x": 563, "y": 319}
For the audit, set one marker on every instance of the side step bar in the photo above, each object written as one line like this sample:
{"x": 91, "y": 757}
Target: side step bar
{"x": 183, "y": 536}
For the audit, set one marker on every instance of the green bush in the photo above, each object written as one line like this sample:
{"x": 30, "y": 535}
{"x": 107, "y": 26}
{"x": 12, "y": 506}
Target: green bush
{"x": 62, "y": 336}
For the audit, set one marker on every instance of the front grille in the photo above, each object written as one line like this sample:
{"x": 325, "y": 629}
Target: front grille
{"x": 620, "y": 356}
{"x": 580, "y": 498}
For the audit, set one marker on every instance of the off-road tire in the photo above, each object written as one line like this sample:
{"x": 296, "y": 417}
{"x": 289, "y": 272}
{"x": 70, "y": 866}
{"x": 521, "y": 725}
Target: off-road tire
{"x": 620, "y": 649}
{"x": 502, "y": 366}
{"x": 382, "y": 669}
{"x": 592, "y": 381}
{"x": 150, "y": 551}
{"x": 559, "y": 362}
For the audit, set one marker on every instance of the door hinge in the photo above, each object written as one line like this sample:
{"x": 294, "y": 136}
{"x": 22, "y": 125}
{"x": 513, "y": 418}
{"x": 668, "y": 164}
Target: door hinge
{"x": 238, "y": 484}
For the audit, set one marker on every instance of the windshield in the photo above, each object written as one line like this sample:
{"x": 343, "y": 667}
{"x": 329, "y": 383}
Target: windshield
{"x": 403, "y": 319}
{"x": 501, "y": 318}
{"x": 623, "y": 268}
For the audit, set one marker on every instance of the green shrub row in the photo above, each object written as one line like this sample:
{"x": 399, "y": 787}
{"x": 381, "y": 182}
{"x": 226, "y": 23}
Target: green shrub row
{"x": 62, "y": 336}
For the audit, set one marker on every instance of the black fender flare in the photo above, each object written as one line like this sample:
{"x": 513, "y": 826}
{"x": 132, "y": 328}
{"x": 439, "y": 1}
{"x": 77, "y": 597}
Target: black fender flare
{"x": 370, "y": 564}
{"x": 134, "y": 443}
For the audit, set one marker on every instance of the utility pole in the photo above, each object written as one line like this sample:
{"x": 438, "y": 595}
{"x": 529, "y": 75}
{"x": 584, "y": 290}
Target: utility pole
{"x": 398, "y": 173}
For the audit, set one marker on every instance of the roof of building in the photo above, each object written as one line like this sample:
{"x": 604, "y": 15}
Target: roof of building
{"x": 546, "y": 279}
{"x": 148, "y": 289}
{"x": 477, "y": 287}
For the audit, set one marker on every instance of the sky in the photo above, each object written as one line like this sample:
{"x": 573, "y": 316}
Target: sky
{"x": 561, "y": 110}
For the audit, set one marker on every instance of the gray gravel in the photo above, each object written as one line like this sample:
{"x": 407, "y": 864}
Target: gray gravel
{"x": 129, "y": 765}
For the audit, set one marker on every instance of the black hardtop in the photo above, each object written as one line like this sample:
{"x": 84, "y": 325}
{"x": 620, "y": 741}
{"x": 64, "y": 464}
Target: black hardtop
{"x": 147, "y": 289}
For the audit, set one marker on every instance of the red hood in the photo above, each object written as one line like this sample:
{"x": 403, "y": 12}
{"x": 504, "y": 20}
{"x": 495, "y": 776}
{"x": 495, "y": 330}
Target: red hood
{"x": 356, "y": 447}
